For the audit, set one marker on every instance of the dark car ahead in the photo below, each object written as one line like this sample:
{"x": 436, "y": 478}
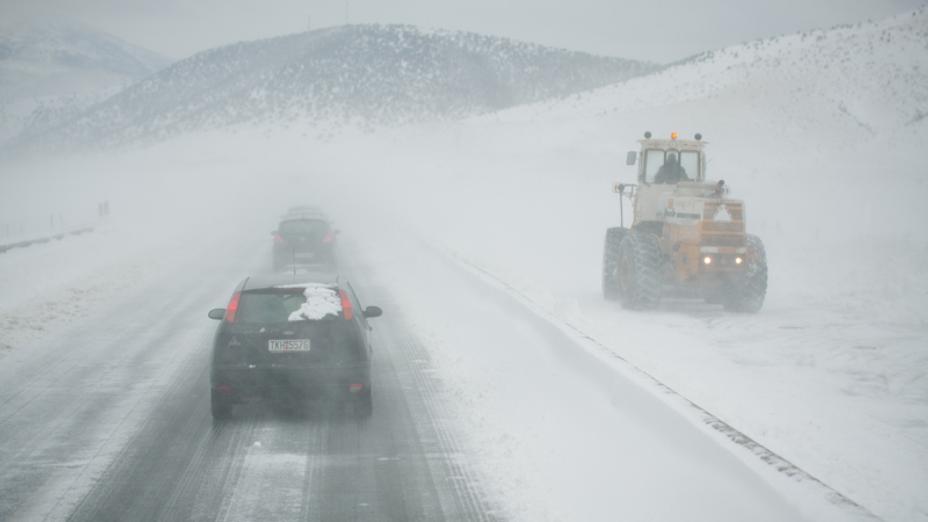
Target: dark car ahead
{"x": 284, "y": 340}
{"x": 304, "y": 237}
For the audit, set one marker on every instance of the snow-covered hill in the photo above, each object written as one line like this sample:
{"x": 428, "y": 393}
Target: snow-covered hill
{"x": 824, "y": 119}
{"x": 368, "y": 74}
{"x": 51, "y": 70}
{"x": 864, "y": 79}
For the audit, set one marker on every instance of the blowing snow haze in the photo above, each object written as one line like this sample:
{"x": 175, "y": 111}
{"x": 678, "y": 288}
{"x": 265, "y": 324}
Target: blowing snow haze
{"x": 50, "y": 70}
{"x": 503, "y": 336}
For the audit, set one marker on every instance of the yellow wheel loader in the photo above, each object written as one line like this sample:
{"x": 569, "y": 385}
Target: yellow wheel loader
{"x": 687, "y": 238}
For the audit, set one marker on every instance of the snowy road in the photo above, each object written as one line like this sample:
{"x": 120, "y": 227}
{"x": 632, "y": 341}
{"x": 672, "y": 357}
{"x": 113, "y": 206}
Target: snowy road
{"x": 483, "y": 410}
{"x": 110, "y": 421}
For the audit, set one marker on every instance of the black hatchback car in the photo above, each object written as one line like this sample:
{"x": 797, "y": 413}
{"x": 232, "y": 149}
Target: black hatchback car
{"x": 284, "y": 340}
{"x": 304, "y": 237}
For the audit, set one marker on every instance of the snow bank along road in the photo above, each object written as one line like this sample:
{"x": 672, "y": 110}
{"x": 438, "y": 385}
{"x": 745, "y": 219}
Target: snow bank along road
{"x": 482, "y": 411}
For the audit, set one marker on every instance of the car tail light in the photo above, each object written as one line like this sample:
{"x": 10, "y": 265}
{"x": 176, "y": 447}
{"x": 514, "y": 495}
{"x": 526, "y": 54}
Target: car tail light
{"x": 279, "y": 239}
{"x": 224, "y": 389}
{"x": 347, "y": 309}
{"x": 328, "y": 238}
{"x": 232, "y": 308}
{"x": 355, "y": 388}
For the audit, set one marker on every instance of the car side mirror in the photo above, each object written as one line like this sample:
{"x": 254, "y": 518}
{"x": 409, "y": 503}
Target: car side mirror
{"x": 217, "y": 314}
{"x": 631, "y": 157}
{"x": 373, "y": 311}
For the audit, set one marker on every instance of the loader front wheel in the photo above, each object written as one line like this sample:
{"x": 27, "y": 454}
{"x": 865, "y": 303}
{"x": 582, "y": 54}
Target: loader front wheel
{"x": 748, "y": 290}
{"x": 639, "y": 270}
{"x": 614, "y": 238}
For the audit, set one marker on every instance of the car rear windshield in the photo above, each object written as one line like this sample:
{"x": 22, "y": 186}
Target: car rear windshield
{"x": 308, "y": 228}
{"x": 273, "y": 306}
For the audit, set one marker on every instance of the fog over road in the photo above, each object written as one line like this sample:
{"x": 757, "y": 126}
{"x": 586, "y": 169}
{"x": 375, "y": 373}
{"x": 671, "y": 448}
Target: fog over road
{"x": 109, "y": 419}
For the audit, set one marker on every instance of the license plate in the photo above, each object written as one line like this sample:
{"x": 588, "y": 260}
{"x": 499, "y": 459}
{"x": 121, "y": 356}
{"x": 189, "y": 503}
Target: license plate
{"x": 288, "y": 345}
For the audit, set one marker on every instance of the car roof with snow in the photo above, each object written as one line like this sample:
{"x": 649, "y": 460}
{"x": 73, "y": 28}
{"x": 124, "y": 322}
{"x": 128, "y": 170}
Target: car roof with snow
{"x": 303, "y": 213}
{"x": 301, "y": 279}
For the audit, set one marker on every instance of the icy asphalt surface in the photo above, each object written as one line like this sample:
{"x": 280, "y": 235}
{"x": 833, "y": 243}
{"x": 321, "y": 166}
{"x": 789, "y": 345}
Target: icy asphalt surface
{"x": 108, "y": 419}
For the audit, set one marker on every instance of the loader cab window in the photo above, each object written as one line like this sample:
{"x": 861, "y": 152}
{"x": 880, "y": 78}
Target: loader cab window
{"x": 689, "y": 160}
{"x": 653, "y": 161}
{"x": 687, "y": 169}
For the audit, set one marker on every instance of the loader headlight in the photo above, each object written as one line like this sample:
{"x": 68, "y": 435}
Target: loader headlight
{"x": 739, "y": 260}
{"x": 707, "y": 260}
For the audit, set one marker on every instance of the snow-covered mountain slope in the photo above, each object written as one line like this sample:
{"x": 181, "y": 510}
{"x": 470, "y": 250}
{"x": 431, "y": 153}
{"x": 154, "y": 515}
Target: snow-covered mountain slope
{"x": 51, "y": 70}
{"x": 866, "y": 79}
{"x": 369, "y": 74}
{"x": 799, "y": 123}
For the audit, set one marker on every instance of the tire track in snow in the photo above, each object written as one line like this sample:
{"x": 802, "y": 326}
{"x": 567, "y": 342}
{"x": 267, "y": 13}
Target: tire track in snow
{"x": 469, "y": 499}
{"x": 122, "y": 408}
{"x": 86, "y": 401}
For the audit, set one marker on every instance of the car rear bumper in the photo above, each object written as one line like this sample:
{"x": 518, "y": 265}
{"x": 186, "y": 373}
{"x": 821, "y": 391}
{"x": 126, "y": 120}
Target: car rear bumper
{"x": 300, "y": 253}
{"x": 240, "y": 383}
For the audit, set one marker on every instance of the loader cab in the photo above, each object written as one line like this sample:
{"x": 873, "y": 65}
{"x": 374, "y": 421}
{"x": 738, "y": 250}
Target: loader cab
{"x": 684, "y": 160}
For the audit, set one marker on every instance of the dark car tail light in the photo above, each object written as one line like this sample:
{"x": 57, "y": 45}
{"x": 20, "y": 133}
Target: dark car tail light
{"x": 328, "y": 238}
{"x": 347, "y": 309}
{"x": 232, "y": 308}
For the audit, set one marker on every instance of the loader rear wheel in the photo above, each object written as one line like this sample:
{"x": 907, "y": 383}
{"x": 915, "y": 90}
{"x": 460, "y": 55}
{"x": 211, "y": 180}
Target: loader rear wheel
{"x": 614, "y": 238}
{"x": 639, "y": 270}
{"x": 748, "y": 291}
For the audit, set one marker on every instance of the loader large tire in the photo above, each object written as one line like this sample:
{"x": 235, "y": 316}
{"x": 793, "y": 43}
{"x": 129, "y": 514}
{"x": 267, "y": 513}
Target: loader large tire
{"x": 639, "y": 270}
{"x": 614, "y": 238}
{"x": 747, "y": 292}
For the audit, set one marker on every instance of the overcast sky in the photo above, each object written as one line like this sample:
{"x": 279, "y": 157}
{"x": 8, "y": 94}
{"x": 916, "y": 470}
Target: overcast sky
{"x": 661, "y": 31}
